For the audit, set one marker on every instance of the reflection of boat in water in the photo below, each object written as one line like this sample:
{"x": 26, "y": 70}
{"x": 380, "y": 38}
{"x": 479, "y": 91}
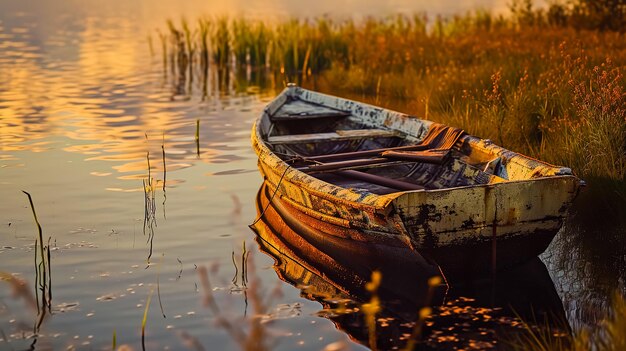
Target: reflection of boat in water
{"x": 399, "y": 181}
{"x": 476, "y": 310}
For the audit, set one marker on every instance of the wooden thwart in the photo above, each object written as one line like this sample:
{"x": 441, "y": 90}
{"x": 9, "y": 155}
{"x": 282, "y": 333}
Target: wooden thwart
{"x": 296, "y": 110}
{"x": 333, "y": 136}
{"x": 299, "y": 117}
{"x": 428, "y": 156}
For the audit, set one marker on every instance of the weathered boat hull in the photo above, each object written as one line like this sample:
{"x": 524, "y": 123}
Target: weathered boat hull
{"x": 356, "y": 248}
{"x": 522, "y": 207}
{"x": 347, "y": 264}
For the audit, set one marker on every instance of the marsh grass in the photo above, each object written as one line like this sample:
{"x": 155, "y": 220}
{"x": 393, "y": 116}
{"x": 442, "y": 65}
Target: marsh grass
{"x": 372, "y": 308}
{"x": 423, "y": 314}
{"x": 531, "y": 82}
{"x": 158, "y": 287}
{"x": 149, "y": 220}
{"x": 43, "y": 272}
{"x": 149, "y": 192}
{"x": 197, "y": 137}
{"x": 164, "y": 165}
{"x": 144, "y": 321}
{"x": 250, "y": 333}
{"x": 241, "y": 280}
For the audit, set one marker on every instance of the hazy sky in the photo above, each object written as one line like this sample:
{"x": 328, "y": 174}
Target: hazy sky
{"x": 192, "y": 8}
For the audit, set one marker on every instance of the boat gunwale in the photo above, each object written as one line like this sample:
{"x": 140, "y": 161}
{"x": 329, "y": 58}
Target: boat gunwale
{"x": 357, "y": 199}
{"x": 286, "y": 171}
{"x": 351, "y": 225}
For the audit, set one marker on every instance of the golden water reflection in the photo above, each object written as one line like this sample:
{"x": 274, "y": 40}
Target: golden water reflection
{"x": 101, "y": 88}
{"x": 90, "y": 86}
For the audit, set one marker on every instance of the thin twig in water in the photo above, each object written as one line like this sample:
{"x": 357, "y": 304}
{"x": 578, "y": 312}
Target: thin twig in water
{"x": 180, "y": 273}
{"x": 159, "y": 287}
{"x": 164, "y": 168}
{"x": 198, "y": 137}
{"x": 244, "y": 274}
{"x": 232, "y": 256}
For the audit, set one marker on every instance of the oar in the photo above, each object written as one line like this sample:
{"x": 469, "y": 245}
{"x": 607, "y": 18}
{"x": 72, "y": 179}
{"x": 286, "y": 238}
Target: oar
{"x": 388, "y": 157}
{"x": 438, "y": 137}
{"x": 362, "y": 154}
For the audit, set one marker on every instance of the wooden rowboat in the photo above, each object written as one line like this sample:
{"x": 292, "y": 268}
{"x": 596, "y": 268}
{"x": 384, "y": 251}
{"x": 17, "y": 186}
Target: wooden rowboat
{"x": 385, "y": 178}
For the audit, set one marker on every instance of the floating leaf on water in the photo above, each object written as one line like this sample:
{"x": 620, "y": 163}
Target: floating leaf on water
{"x": 337, "y": 346}
{"x": 67, "y": 307}
{"x": 231, "y": 172}
{"x": 107, "y": 297}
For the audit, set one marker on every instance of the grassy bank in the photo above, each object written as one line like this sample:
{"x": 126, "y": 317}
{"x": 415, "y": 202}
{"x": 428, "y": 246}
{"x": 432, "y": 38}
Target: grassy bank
{"x": 530, "y": 83}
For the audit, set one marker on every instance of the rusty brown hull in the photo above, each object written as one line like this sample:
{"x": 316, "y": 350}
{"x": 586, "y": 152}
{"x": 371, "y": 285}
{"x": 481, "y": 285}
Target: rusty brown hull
{"x": 346, "y": 264}
{"x": 480, "y": 196}
{"x": 327, "y": 245}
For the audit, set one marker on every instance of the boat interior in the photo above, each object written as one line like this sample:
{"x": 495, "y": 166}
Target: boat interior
{"x": 339, "y": 148}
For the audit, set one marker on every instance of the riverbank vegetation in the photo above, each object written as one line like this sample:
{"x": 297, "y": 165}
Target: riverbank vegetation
{"x": 545, "y": 82}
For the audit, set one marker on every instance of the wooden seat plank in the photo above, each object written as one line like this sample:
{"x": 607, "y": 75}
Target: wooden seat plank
{"x": 301, "y": 110}
{"x": 332, "y": 136}
{"x": 299, "y": 117}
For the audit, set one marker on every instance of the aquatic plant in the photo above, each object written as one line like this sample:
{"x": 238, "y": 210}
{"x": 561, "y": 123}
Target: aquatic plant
{"x": 144, "y": 321}
{"x": 372, "y": 308}
{"x": 424, "y": 312}
{"x": 164, "y": 166}
{"x": 149, "y": 192}
{"x": 43, "y": 273}
{"x": 250, "y": 334}
{"x": 243, "y": 279}
{"x": 197, "y": 137}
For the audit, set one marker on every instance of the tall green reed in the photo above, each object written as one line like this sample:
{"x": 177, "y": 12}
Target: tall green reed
{"x": 43, "y": 272}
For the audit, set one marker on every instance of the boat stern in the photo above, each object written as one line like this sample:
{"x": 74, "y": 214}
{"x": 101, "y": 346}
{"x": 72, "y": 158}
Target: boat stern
{"x": 518, "y": 219}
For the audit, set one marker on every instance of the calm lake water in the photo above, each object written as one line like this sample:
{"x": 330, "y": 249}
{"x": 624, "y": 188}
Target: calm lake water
{"x": 86, "y": 110}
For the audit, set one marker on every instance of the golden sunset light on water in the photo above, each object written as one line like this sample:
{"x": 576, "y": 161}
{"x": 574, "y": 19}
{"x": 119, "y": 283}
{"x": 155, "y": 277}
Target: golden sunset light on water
{"x": 329, "y": 175}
